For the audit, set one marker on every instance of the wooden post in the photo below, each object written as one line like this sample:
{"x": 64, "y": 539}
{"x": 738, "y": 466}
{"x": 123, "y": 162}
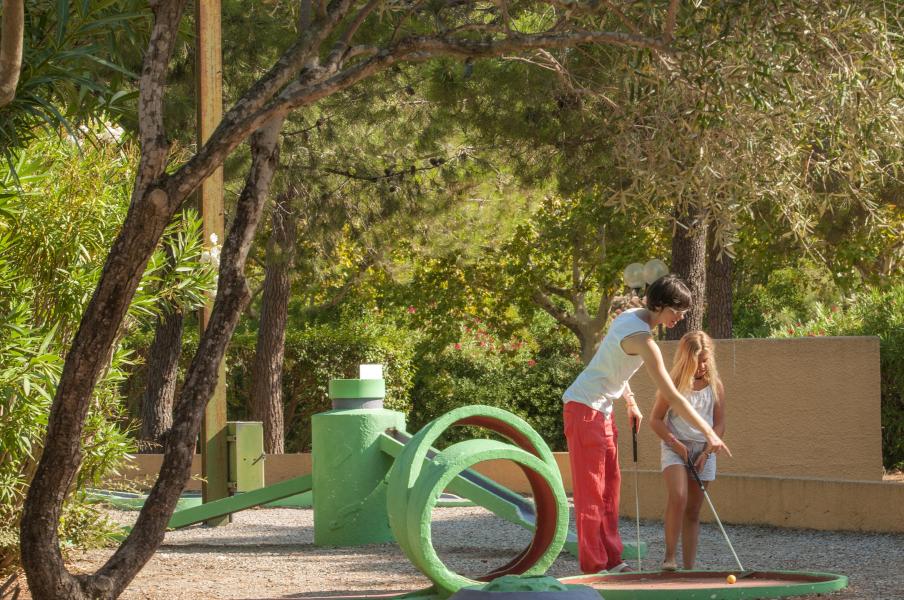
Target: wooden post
{"x": 214, "y": 458}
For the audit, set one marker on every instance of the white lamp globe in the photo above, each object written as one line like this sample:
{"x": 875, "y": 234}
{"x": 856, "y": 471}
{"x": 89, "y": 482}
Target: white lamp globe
{"x": 633, "y": 275}
{"x": 654, "y": 269}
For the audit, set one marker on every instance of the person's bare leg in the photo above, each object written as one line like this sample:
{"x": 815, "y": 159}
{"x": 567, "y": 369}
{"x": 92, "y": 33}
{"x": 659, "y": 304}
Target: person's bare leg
{"x": 690, "y": 528}
{"x": 676, "y": 485}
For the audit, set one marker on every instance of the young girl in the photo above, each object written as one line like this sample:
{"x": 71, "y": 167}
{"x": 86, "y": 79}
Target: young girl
{"x": 694, "y": 373}
{"x": 590, "y": 430}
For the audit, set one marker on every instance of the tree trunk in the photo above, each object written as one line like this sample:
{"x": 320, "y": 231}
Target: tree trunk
{"x": 586, "y": 327}
{"x": 162, "y": 371}
{"x": 590, "y": 337}
{"x": 266, "y": 373}
{"x": 47, "y": 575}
{"x": 689, "y": 262}
{"x": 718, "y": 293}
{"x": 11, "y": 41}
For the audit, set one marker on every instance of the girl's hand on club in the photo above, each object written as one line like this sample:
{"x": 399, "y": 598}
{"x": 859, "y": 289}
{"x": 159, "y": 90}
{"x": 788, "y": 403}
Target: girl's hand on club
{"x": 680, "y": 449}
{"x": 701, "y": 461}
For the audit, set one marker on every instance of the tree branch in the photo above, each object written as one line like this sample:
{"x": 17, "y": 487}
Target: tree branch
{"x": 632, "y": 27}
{"x": 671, "y": 17}
{"x": 560, "y": 315}
{"x": 151, "y": 90}
{"x": 558, "y": 291}
{"x": 342, "y": 44}
{"x": 319, "y": 83}
{"x": 305, "y": 15}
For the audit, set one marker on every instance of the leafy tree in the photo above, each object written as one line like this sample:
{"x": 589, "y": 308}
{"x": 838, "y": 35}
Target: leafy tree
{"x": 746, "y": 121}
{"x": 338, "y": 45}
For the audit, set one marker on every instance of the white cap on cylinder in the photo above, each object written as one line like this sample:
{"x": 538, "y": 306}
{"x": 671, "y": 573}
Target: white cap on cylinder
{"x": 371, "y": 372}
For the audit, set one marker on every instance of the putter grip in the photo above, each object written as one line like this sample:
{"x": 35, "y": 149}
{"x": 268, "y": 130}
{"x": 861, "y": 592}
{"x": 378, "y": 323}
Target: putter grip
{"x": 634, "y": 438}
{"x": 690, "y": 466}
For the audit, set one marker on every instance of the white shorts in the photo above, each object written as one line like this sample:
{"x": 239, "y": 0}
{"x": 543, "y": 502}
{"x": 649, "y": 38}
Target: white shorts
{"x": 669, "y": 457}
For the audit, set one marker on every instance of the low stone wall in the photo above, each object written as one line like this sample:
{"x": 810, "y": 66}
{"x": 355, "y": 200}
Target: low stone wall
{"x": 803, "y": 424}
{"x": 828, "y": 504}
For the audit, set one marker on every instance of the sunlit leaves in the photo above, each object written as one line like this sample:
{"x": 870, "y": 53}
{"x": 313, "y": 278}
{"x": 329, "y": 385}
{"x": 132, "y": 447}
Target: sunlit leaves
{"x": 74, "y": 68}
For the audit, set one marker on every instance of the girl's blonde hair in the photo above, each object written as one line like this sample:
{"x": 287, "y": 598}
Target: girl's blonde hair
{"x": 685, "y": 364}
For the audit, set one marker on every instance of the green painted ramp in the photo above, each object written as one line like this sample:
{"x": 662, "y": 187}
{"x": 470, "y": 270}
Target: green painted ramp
{"x": 226, "y": 506}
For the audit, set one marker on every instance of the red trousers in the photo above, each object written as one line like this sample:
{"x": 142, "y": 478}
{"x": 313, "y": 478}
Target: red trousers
{"x": 596, "y": 482}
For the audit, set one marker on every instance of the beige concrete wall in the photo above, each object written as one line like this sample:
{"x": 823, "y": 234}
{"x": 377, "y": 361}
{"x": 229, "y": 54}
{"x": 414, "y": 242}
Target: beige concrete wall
{"x": 782, "y": 501}
{"x": 803, "y": 407}
{"x": 814, "y": 503}
{"x": 803, "y": 424}
{"x": 143, "y": 469}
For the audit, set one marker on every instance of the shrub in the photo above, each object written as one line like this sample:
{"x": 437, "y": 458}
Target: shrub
{"x": 57, "y": 219}
{"x": 523, "y": 374}
{"x": 789, "y": 296}
{"x": 315, "y": 355}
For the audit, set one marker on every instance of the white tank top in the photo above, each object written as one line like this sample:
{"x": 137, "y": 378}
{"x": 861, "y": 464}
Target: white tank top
{"x": 605, "y": 377}
{"x": 702, "y": 401}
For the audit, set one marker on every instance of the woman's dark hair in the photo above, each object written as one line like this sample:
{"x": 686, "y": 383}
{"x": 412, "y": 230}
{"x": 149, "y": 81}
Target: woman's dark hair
{"x": 668, "y": 291}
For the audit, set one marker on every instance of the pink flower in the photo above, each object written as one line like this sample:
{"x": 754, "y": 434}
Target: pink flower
{"x": 457, "y": 346}
{"x": 790, "y": 331}
{"x": 531, "y": 362}
{"x": 834, "y": 308}
{"x": 411, "y": 310}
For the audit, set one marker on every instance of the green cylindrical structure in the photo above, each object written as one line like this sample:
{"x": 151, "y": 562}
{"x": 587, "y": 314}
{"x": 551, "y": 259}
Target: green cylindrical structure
{"x": 349, "y": 475}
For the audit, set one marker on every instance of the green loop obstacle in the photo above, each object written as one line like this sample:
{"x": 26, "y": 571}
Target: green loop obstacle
{"x": 415, "y": 485}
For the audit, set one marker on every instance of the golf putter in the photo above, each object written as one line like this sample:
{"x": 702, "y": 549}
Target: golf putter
{"x": 636, "y": 491}
{"x": 690, "y": 466}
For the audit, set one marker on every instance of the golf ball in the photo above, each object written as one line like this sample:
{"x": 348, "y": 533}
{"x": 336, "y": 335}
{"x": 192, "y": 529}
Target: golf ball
{"x": 731, "y": 579}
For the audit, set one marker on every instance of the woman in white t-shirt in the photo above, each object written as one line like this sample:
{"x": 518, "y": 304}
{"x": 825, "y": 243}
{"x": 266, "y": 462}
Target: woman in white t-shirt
{"x": 589, "y": 427}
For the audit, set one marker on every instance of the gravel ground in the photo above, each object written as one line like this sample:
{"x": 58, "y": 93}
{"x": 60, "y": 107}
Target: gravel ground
{"x": 269, "y": 553}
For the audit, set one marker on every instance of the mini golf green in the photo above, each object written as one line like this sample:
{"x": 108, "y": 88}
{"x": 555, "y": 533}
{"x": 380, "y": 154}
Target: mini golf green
{"x": 709, "y": 585}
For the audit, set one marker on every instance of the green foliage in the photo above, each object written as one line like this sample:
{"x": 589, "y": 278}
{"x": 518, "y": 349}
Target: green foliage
{"x": 525, "y": 375}
{"x": 57, "y": 221}
{"x": 790, "y": 295}
{"x": 321, "y": 352}
{"x": 879, "y": 312}
{"x": 181, "y": 273}
{"x": 69, "y": 205}
{"x": 74, "y": 68}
